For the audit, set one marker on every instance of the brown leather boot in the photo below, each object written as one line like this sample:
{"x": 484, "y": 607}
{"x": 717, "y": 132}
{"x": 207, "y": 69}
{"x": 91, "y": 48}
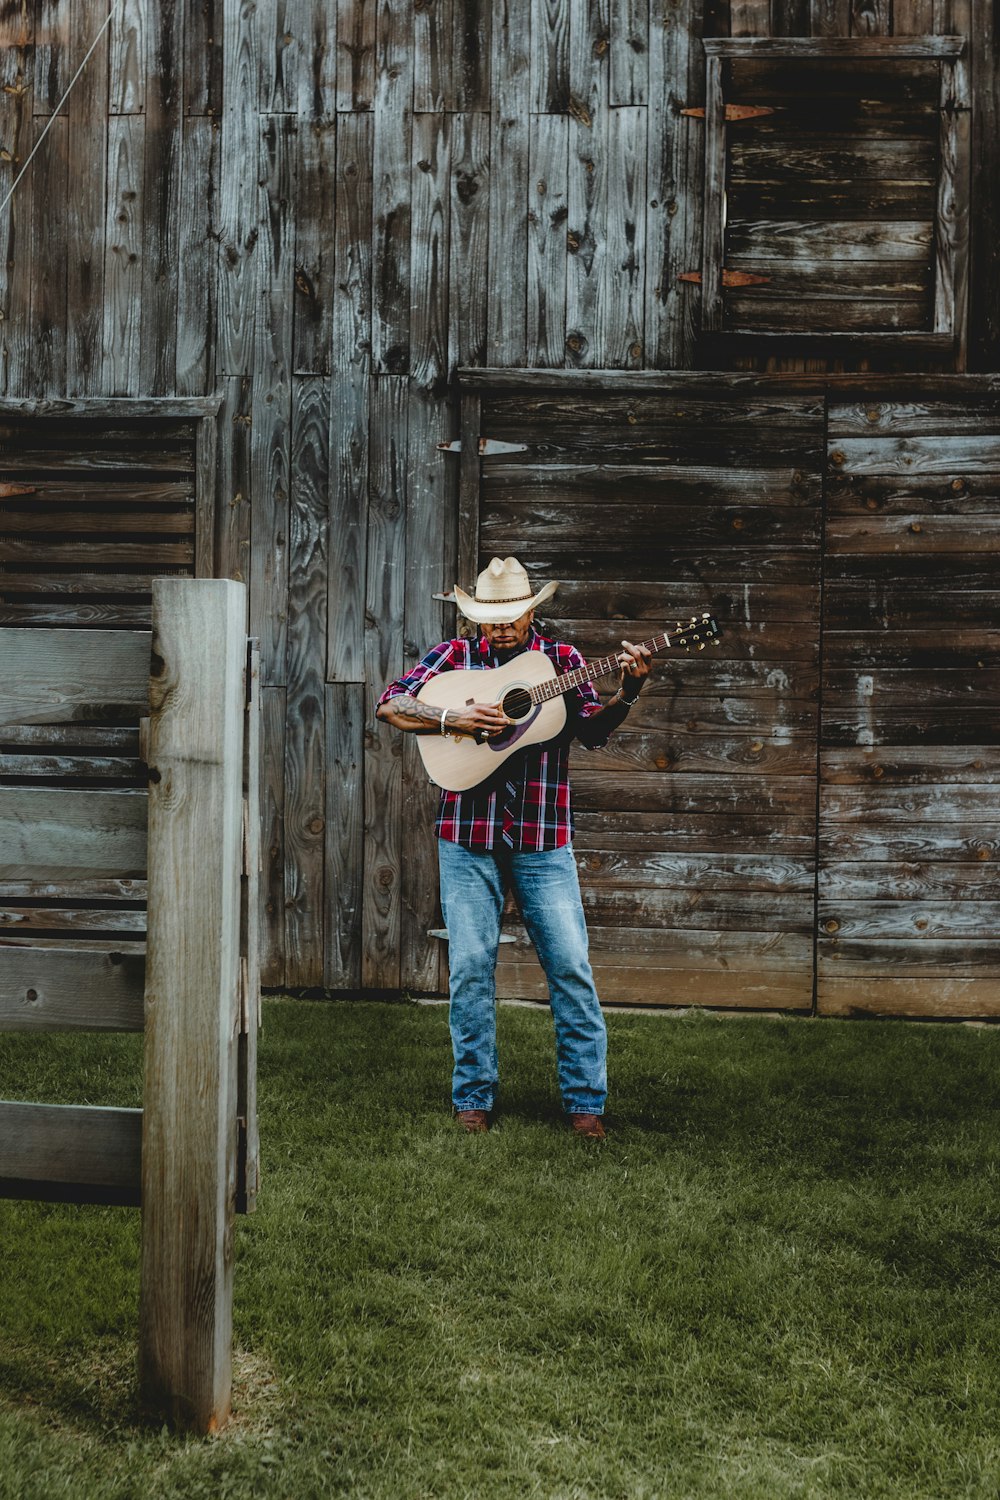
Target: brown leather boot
{"x": 474, "y": 1121}
{"x": 588, "y": 1126}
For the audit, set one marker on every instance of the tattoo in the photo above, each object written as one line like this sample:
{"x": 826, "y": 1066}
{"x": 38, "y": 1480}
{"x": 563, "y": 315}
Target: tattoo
{"x": 411, "y": 708}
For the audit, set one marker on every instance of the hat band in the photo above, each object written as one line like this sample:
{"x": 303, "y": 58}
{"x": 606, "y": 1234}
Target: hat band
{"x": 510, "y": 599}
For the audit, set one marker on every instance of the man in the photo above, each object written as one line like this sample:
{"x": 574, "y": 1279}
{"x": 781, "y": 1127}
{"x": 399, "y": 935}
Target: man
{"x": 515, "y": 831}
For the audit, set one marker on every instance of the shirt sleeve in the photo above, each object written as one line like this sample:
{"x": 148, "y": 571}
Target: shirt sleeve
{"x": 582, "y": 703}
{"x": 441, "y": 658}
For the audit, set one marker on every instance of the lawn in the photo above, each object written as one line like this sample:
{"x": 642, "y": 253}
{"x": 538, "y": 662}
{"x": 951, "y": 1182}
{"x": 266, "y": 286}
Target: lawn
{"x": 777, "y": 1278}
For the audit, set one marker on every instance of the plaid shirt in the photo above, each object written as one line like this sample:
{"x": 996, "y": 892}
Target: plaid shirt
{"x": 526, "y": 805}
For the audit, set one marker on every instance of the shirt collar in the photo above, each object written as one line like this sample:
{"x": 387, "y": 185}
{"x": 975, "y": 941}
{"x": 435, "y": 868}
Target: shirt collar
{"x": 531, "y": 644}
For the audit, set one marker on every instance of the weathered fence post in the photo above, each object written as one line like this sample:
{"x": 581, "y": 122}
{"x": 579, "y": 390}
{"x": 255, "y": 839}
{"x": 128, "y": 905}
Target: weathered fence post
{"x": 189, "y": 1154}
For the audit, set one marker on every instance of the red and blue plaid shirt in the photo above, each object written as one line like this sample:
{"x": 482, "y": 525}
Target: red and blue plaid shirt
{"x": 526, "y": 805}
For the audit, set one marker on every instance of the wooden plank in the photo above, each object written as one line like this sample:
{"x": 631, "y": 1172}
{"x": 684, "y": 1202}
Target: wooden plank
{"x": 203, "y": 61}
{"x": 789, "y": 17}
{"x": 234, "y": 480}
{"x": 430, "y": 251}
{"x": 952, "y": 217}
{"x": 676, "y": 146}
{"x": 123, "y": 267}
{"x": 468, "y": 296}
{"x": 82, "y": 1154}
{"x": 621, "y": 320}
{"x": 356, "y": 23}
{"x": 433, "y": 87}
{"x": 271, "y": 908}
{"x": 162, "y": 197}
{"x": 472, "y": 36}
{"x": 52, "y": 833}
{"x": 749, "y": 18}
{"x": 305, "y": 735}
{"x": 629, "y": 986}
{"x": 346, "y": 715}
{"x": 548, "y": 62}
{"x": 127, "y": 53}
{"x": 940, "y": 997}
{"x": 467, "y": 560}
{"x": 933, "y": 881}
{"x": 547, "y": 256}
{"x": 133, "y": 891}
{"x": 17, "y": 73}
{"x": 830, "y": 239}
{"x": 984, "y": 333}
{"x": 74, "y": 767}
{"x": 53, "y": 59}
{"x": 384, "y": 609}
{"x": 49, "y": 258}
{"x": 271, "y": 428}
{"x": 192, "y": 999}
{"x": 432, "y": 481}
{"x": 350, "y": 400}
{"x": 714, "y": 198}
{"x": 61, "y": 990}
{"x": 629, "y": 43}
{"x": 239, "y": 207}
{"x": 206, "y": 464}
{"x": 916, "y": 455}
{"x": 587, "y": 274}
{"x": 248, "y": 1160}
{"x": 508, "y": 183}
{"x": 314, "y": 248}
{"x": 197, "y": 237}
{"x": 835, "y": 43}
{"x": 392, "y": 155}
{"x": 62, "y": 675}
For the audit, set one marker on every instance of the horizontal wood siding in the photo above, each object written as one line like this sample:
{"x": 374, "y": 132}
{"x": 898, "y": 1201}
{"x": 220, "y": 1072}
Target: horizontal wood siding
{"x": 695, "y": 838}
{"x": 908, "y": 892}
{"x": 321, "y": 213}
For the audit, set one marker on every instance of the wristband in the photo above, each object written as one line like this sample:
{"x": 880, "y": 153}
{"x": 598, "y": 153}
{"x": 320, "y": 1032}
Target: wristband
{"x": 444, "y": 715}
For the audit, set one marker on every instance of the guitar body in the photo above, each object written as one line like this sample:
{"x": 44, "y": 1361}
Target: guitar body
{"x": 457, "y": 762}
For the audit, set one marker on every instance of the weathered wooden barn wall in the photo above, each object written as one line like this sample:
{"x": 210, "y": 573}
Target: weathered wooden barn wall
{"x": 321, "y": 211}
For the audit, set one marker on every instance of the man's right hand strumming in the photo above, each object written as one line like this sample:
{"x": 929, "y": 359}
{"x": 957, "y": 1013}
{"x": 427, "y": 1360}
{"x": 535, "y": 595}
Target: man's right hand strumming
{"x": 478, "y": 720}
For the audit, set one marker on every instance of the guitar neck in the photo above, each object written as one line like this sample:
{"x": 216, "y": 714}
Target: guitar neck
{"x": 603, "y": 666}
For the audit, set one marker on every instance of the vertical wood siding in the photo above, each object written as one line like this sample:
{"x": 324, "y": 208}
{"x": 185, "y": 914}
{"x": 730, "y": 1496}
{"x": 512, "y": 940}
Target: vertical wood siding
{"x": 320, "y": 211}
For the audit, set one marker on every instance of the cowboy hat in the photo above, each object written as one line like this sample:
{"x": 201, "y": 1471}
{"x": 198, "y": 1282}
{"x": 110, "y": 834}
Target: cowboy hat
{"x": 503, "y": 594}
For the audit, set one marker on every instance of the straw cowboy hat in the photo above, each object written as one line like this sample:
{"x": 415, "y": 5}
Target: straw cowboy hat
{"x": 503, "y": 594}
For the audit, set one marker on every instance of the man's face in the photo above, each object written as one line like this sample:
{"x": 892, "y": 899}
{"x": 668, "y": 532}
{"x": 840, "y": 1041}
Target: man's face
{"x": 509, "y": 637}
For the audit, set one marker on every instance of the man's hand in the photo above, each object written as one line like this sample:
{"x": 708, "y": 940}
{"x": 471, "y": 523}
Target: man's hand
{"x": 481, "y": 720}
{"x": 635, "y": 663}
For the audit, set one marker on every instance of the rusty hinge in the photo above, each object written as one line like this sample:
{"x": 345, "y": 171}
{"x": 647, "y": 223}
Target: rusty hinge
{"x": 17, "y": 489}
{"x": 735, "y": 112}
{"x": 486, "y": 445}
{"x": 729, "y": 278}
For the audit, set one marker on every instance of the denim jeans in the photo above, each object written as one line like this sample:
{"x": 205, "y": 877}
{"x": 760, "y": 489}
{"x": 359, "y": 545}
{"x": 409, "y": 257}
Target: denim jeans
{"x": 548, "y": 895}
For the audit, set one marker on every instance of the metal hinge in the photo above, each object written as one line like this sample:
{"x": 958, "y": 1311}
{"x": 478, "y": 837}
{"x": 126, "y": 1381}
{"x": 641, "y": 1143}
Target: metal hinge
{"x": 735, "y": 112}
{"x": 486, "y": 446}
{"x": 729, "y": 278}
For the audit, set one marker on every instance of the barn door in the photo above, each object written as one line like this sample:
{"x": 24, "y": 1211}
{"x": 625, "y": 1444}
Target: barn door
{"x": 909, "y": 896}
{"x": 696, "y": 825}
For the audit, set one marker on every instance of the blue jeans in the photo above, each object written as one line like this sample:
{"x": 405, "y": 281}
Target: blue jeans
{"x": 548, "y": 896}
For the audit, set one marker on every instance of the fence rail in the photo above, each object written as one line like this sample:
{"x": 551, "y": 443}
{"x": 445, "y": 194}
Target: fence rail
{"x": 79, "y": 954}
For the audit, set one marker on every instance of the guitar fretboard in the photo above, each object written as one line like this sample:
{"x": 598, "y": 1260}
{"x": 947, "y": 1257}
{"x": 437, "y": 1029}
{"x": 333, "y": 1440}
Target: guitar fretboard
{"x": 603, "y": 666}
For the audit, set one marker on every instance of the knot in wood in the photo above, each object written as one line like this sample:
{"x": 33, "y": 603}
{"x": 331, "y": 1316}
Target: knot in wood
{"x": 982, "y": 852}
{"x": 316, "y": 825}
{"x": 837, "y": 457}
{"x": 915, "y": 527}
{"x": 31, "y": 996}
{"x": 756, "y": 747}
{"x": 873, "y": 413}
{"x": 957, "y": 485}
{"x": 385, "y": 877}
{"x": 920, "y": 924}
{"x": 878, "y": 772}
{"x": 832, "y": 925}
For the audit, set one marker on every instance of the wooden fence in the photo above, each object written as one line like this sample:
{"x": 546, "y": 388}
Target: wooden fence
{"x": 189, "y": 1156}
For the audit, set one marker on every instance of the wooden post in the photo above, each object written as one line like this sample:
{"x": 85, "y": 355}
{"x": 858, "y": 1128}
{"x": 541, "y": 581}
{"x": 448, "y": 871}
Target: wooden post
{"x": 189, "y": 1153}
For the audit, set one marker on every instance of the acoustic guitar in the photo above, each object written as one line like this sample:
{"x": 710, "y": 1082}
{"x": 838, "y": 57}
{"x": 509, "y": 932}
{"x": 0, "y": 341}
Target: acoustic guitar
{"x": 530, "y": 693}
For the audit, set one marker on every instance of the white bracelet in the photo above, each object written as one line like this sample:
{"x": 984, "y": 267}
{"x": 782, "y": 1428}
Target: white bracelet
{"x": 444, "y": 715}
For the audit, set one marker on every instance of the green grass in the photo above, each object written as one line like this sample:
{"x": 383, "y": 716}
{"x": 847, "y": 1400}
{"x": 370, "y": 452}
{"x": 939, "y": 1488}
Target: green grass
{"x": 776, "y": 1279}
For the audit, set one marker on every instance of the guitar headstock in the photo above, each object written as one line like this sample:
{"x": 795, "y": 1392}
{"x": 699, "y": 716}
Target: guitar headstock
{"x": 700, "y": 631}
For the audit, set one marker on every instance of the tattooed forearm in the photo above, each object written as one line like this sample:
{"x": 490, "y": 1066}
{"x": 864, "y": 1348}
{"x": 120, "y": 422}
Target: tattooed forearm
{"x": 406, "y": 712}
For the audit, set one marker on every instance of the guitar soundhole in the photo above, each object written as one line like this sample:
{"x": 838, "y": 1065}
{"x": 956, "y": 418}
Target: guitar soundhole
{"x": 517, "y": 703}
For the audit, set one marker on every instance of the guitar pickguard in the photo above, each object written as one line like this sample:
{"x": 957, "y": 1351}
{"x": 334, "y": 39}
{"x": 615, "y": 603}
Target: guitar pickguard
{"x": 513, "y": 732}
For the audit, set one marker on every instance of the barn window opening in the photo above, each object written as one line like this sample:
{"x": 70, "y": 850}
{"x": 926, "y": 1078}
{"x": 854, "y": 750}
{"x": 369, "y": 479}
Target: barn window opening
{"x": 836, "y": 194}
